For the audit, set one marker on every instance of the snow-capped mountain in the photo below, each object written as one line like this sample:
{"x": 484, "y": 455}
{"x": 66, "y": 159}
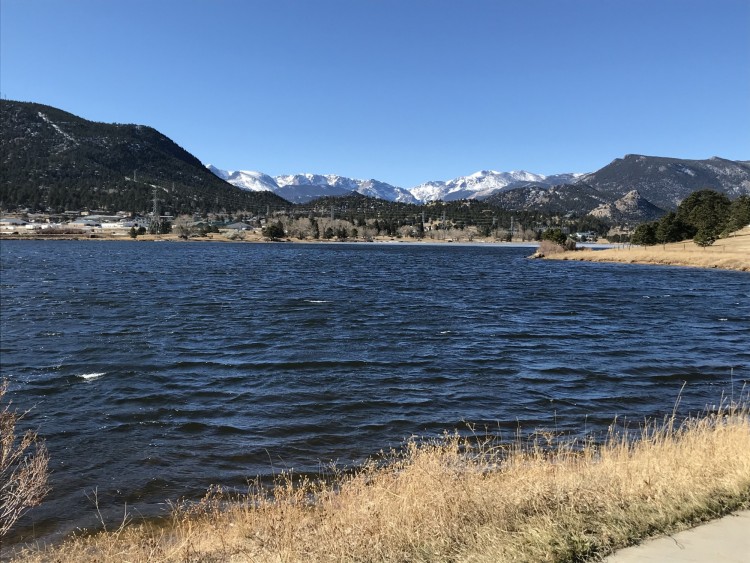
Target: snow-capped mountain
{"x": 301, "y": 188}
{"x": 483, "y": 184}
{"x": 246, "y": 179}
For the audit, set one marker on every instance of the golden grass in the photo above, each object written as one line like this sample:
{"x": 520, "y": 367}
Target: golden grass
{"x": 731, "y": 253}
{"x": 459, "y": 499}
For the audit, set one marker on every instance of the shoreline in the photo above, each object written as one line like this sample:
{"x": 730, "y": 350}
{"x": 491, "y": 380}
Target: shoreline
{"x": 730, "y": 253}
{"x": 461, "y": 499}
{"x": 257, "y": 238}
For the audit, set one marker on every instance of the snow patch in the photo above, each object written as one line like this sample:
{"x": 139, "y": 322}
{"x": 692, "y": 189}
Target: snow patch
{"x": 57, "y": 128}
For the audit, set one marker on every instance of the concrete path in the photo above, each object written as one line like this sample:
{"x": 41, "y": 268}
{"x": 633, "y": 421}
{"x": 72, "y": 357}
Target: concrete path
{"x": 722, "y": 541}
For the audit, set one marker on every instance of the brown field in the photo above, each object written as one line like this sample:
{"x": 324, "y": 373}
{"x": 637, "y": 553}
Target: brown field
{"x": 460, "y": 499}
{"x": 731, "y": 253}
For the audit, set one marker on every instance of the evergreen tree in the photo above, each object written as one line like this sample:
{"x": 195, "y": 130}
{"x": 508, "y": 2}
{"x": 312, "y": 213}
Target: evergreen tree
{"x": 704, "y": 237}
{"x": 555, "y": 235}
{"x": 645, "y": 234}
{"x": 670, "y": 228}
{"x": 274, "y": 231}
{"x": 705, "y": 210}
{"x": 739, "y": 214}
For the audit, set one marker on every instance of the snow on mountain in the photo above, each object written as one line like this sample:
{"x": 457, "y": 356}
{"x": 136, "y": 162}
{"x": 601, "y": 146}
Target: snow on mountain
{"x": 246, "y": 179}
{"x": 317, "y": 180}
{"x": 381, "y": 190}
{"x": 217, "y": 171}
{"x": 301, "y": 188}
{"x": 483, "y": 184}
{"x": 558, "y": 179}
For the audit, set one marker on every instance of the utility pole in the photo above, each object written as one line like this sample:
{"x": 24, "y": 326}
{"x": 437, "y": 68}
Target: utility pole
{"x": 155, "y": 218}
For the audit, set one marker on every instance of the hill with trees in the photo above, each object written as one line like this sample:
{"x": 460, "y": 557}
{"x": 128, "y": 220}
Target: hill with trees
{"x": 52, "y": 160}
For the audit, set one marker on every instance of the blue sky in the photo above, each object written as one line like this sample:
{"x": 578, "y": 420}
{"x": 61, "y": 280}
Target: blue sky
{"x": 404, "y": 91}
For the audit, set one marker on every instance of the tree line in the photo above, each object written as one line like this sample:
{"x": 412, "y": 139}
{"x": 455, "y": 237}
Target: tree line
{"x": 703, "y": 216}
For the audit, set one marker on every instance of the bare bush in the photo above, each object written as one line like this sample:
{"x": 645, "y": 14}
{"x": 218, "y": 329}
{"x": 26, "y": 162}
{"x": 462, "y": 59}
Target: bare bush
{"x": 183, "y": 225}
{"x": 547, "y": 247}
{"x": 23, "y": 468}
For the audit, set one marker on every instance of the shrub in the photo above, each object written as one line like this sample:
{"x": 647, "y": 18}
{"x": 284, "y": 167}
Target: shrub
{"x": 274, "y": 231}
{"x": 555, "y": 235}
{"x": 23, "y": 468}
{"x": 547, "y": 247}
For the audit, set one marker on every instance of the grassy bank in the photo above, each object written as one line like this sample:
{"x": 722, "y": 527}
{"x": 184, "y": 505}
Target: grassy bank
{"x": 460, "y": 499}
{"x": 731, "y": 253}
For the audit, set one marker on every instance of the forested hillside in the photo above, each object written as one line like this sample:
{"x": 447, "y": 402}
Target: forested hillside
{"x": 54, "y": 160}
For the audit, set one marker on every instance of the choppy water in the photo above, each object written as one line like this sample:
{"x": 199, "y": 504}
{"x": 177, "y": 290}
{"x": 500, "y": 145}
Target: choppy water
{"x": 156, "y": 370}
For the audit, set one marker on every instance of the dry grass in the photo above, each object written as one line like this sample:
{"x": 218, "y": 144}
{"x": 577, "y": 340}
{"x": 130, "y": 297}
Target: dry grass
{"x": 460, "y": 499}
{"x": 731, "y": 253}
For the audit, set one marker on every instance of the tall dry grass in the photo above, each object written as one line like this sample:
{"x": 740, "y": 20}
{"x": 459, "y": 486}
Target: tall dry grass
{"x": 463, "y": 499}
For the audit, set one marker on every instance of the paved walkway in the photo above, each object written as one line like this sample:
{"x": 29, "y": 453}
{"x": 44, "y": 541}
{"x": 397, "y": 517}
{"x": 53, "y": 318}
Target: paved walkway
{"x": 726, "y": 540}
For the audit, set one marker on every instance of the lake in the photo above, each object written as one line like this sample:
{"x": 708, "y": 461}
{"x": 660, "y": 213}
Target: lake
{"x": 154, "y": 370}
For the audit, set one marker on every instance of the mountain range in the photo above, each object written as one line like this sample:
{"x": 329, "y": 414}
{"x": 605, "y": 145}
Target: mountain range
{"x": 632, "y": 188}
{"x": 52, "y": 159}
{"x": 302, "y": 188}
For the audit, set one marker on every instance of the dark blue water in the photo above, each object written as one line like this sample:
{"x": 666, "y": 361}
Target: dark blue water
{"x": 155, "y": 370}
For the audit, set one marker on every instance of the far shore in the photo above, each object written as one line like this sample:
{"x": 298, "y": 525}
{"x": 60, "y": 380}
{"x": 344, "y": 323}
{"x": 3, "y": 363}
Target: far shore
{"x": 257, "y": 237}
{"x": 731, "y": 253}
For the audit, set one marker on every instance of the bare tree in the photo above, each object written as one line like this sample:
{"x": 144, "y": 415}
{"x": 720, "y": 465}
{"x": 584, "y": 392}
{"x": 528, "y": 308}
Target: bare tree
{"x": 23, "y": 468}
{"x": 183, "y": 224}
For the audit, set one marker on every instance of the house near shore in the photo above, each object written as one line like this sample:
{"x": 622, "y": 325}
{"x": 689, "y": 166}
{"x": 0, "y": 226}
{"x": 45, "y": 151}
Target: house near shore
{"x": 12, "y": 224}
{"x": 238, "y": 227}
{"x": 585, "y": 236}
{"x": 85, "y": 225}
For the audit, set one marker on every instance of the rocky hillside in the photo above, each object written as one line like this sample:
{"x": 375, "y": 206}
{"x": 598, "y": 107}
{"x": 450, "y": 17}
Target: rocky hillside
{"x": 630, "y": 208}
{"x": 632, "y": 189}
{"x": 665, "y": 182}
{"x": 578, "y": 199}
{"x": 51, "y": 159}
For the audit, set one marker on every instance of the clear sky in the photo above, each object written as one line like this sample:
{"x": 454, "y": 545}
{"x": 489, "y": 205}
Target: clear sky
{"x": 403, "y": 91}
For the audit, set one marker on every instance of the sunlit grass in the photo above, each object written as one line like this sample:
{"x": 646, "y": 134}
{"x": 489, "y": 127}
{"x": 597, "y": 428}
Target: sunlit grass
{"x": 463, "y": 499}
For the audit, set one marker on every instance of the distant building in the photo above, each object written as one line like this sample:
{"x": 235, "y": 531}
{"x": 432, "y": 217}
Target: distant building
{"x": 238, "y": 227}
{"x": 11, "y": 224}
{"x": 586, "y": 236}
